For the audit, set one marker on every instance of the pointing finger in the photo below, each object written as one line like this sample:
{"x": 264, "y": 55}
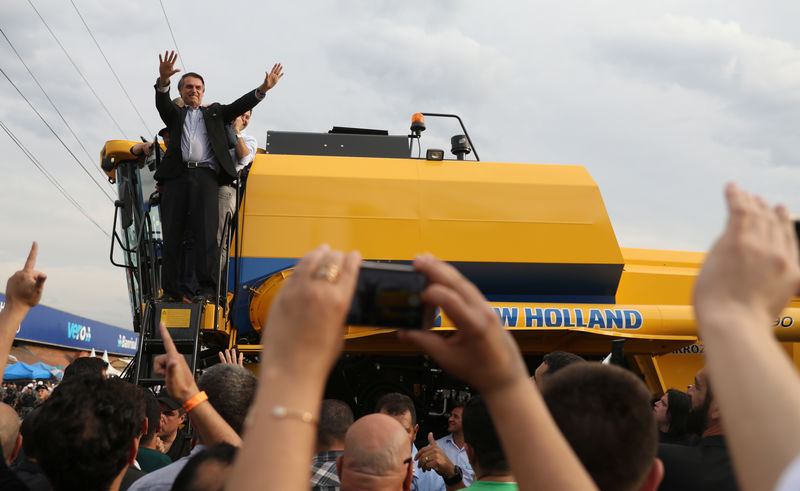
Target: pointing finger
{"x": 31, "y": 261}
{"x": 169, "y": 346}
{"x": 431, "y": 441}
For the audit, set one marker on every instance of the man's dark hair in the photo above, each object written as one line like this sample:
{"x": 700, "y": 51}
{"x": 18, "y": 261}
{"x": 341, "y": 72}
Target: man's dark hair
{"x": 231, "y": 390}
{"x": 395, "y": 404}
{"x": 699, "y": 418}
{"x": 480, "y": 433}
{"x": 458, "y": 404}
{"x": 191, "y": 479}
{"x": 84, "y": 432}
{"x": 678, "y": 406}
{"x": 556, "y": 360}
{"x": 605, "y": 414}
{"x": 335, "y": 417}
{"x": 152, "y": 411}
{"x": 191, "y": 74}
{"x": 85, "y": 366}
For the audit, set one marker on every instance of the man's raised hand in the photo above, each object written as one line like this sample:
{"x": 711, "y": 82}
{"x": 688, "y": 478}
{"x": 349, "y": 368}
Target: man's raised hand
{"x": 24, "y": 288}
{"x": 433, "y": 458}
{"x": 166, "y": 66}
{"x": 271, "y": 80}
{"x": 172, "y": 365}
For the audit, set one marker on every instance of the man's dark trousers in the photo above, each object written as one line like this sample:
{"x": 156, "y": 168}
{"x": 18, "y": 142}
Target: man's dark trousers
{"x": 195, "y": 190}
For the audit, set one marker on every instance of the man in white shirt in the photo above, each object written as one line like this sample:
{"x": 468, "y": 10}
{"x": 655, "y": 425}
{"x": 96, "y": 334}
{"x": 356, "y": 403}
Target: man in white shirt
{"x": 453, "y": 444}
{"x": 242, "y": 155}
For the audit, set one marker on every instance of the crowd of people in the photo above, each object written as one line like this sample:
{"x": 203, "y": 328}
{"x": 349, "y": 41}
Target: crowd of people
{"x": 24, "y": 397}
{"x": 575, "y": 424}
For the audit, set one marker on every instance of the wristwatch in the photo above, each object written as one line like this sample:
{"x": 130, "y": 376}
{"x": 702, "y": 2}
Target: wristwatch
{"x": 456, "y": 478}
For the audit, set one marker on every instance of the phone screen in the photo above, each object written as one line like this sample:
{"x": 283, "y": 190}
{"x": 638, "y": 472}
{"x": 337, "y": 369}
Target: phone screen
{"x": 388, "y": 295}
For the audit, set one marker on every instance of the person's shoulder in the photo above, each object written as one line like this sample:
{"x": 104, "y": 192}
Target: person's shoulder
{"x": 447, "y": 438}
{"x": 161, "y": 478}
{"x": 152, "y": 459}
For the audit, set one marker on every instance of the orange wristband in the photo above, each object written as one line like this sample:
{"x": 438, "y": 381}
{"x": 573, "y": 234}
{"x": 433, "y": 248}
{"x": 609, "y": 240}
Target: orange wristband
{"x": 195, "y": 400}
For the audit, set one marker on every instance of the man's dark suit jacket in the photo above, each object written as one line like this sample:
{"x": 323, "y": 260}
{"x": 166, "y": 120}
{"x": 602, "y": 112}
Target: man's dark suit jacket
{"x": 216, "y": 116}
{"x": 705, "y": 467}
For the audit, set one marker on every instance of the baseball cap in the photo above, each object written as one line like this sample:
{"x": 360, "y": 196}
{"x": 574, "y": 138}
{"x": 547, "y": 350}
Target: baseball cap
{"x": 167, "y": 400}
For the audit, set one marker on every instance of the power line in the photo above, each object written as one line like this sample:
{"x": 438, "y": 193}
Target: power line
{"x": 75, "y": 65}
{"x": 50, "y": 178}
{"x": 172, "y": 34}
{"x": 112, "y": 68}
{"x": 49, "y": 99}
{"x": 56, "y": 135}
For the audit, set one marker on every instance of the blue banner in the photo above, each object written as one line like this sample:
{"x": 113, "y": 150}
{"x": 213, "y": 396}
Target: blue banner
{"x": 51, "y": 326}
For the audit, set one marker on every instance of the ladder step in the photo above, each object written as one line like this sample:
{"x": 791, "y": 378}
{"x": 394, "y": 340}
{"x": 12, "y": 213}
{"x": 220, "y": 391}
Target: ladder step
{"x": 160, "y": 342}
{"x": 184, "y": 346}
{"x": 152, "y": 381}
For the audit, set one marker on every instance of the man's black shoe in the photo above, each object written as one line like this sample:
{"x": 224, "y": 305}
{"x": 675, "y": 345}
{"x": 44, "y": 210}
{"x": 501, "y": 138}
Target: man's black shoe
{"x": 168, "y": 299}
{"x": 203, "y": 299}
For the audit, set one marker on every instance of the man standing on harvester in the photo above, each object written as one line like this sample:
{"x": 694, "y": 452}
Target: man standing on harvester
{"x": 196, "y": 162}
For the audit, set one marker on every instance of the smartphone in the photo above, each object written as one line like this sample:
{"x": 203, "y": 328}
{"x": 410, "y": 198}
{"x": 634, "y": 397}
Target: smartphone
{"x": 389, "y": 295}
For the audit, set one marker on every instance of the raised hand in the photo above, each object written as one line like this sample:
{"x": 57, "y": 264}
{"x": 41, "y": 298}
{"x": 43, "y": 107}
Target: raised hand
{"x": 753, "y": 268}
{"x": 433, "y": 458}
{"x": 237, "y": 124}
{"x": 166, "y": 66}
{"x": 305, "y": 326}
{"x": 271, "y": 80}
{"x": 229, "y": 356}
{"x": 172, "y": 365}
{"x": 24, "y": 288}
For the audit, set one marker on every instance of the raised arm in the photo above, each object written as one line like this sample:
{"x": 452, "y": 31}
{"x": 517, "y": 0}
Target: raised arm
{"x": 166, "y": 67}
{"x": 23, "y": 292}
{"x": 484, "y": 354}
{"x": 271, "y": 79}
{"x": 181, "y": 385}
{"x": 302, "y": 339}
{"x": 748, "y": 277}
{"x": 251, "y": 98}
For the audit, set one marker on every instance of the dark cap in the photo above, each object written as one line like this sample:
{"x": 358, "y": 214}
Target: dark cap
{"x": 167, "y": 400}
{"x": 162, "y": 131}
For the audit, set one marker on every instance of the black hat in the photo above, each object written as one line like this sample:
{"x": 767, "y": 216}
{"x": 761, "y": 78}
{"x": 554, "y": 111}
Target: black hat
{"x": 167, "y": 400}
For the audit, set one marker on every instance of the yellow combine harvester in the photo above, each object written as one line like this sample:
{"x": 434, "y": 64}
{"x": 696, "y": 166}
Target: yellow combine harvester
{"x": 535, "y": 238}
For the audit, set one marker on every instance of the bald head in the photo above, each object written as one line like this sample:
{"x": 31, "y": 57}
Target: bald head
{"x": 375, "y": 450}
{"x": 9, "y": 430}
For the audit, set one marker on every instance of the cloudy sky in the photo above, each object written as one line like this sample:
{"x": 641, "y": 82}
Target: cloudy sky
{"x": 662, "y": 102}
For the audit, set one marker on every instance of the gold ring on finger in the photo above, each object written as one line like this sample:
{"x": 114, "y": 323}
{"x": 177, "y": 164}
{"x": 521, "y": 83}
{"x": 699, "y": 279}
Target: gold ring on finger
{"x": 327, "y": 271}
